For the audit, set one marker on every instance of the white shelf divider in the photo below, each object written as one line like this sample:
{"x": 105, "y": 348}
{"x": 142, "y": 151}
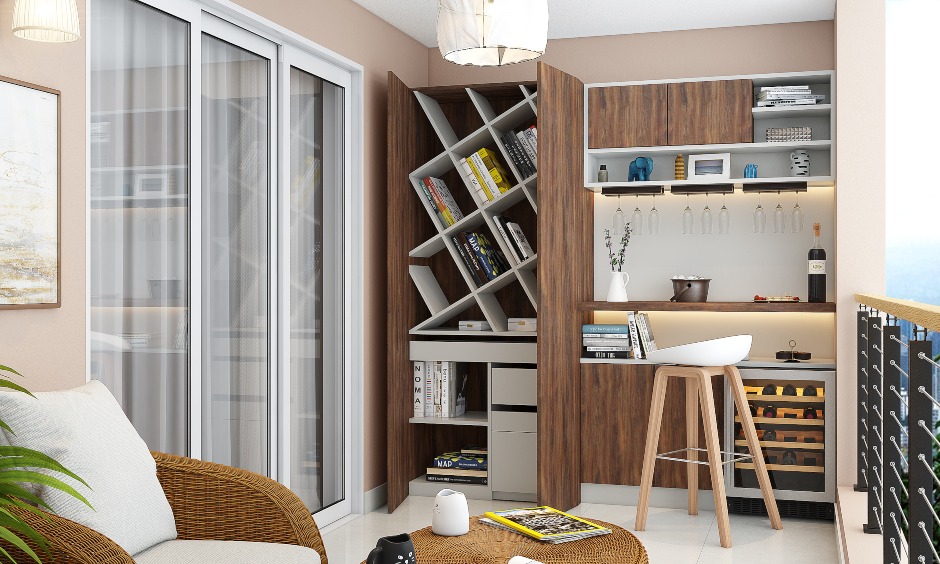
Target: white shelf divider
{"x": 429, "y": 289}
{"x": 482, "y": 105}
{"x": 438, "y": 121}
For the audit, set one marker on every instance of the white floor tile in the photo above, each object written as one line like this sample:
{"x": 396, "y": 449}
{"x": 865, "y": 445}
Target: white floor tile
{"x": 671, "y": 536}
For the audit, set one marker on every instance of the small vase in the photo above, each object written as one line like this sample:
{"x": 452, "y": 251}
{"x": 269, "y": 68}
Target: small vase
{"x": 398, "y": 549}
{"x": 451, "y": 517}
{"x": 618, "y": 287}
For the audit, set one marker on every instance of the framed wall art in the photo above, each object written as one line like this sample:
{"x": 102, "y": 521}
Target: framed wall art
{"x": 30, "y": 187}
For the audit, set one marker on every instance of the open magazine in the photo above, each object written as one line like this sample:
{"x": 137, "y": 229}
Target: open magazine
{"x": 546, "y": 524}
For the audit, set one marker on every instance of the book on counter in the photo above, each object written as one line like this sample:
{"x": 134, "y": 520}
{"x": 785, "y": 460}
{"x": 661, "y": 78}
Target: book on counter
{"x": 770, "y": 96}
{"x": 474, "y": 450}
{"x": 460, "y": 461}
{"x": 442, "y": 389}
{"x": 545, "y": 524}
{"x": 447, "y": 475}
{"x": 618, "y": 341}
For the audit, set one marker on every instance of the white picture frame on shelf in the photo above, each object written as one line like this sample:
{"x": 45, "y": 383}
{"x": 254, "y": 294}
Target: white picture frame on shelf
{"x": 151, "y": 184}
{"x": 709, "y": 166}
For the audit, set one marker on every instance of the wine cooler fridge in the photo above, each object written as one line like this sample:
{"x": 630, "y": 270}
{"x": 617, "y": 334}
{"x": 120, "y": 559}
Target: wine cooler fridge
{"x": 793, "y": 407}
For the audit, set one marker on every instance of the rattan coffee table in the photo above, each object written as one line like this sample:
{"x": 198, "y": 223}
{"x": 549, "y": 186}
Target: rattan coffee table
{"x": 489, "y": 545}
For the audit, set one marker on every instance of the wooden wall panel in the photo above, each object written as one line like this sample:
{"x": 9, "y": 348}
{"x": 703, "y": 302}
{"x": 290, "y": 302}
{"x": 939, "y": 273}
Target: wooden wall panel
{"x": 410, "y": 144}
{"x": 565, "y": 226}
{"x": 627, "y": 116}
{"x": 717, "y": 111}
{"x": 614, "y": 417}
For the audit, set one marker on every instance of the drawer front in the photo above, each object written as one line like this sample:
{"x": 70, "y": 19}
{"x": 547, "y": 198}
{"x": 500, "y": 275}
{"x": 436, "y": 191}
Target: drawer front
{"x": 513, "y": 462}
{"x": 515, "y": 421}
{"x": 514, "y": 386}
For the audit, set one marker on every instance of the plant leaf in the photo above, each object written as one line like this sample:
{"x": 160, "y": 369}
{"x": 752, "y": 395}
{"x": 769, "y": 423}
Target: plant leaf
{"x": 8, "y": 369}
{"x": 13, "y": 386}
{"x": 36, "y": 459}
{"x": 30, "y": 477}
{"x": 8, "y": 535}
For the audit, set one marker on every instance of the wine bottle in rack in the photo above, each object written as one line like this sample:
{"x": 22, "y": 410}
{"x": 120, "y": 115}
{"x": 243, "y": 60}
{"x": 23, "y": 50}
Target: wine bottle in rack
{"x": 817, "y": 269}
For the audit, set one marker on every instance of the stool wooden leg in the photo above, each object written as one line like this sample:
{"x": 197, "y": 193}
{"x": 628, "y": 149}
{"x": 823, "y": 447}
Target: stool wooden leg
{"x": 692, "y": 400}
{"x": 714, "y": 458}
{"x": 652, "y": 445}
{"x": 753, "y": 445}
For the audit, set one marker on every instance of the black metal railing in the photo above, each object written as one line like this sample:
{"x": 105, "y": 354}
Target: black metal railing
{"x": 898, "y": 447}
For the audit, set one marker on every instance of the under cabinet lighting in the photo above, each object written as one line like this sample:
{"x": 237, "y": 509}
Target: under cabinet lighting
{"x": 490, "y": 33}
{"x": 52, "y": 21}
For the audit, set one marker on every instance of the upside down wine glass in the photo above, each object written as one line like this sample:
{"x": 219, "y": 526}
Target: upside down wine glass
{"x": 687, "y": 217}
{"x": 760, "y": 217}
{"x": 636, "y": 221}
{"x": 796, "y": 216}
{"x": 619, "y": 221}
{"x": 780, "y": 219}
{"x": 654, "y": 219}
{"x": 724, "y": 218}
{"x": 706, "y": 218}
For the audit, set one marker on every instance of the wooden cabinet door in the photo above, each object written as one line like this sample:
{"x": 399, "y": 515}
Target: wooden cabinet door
{"x": 704, "y": 113}
{"x": 627, "y": 116}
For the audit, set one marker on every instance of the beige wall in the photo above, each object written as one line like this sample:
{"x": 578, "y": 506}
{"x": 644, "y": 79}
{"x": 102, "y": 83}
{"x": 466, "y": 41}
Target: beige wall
{"x": 860, "y": 194}
{"x": 674, "y": 54}
{"x": 351, "y": 31}
{"x": 48, "y": 345}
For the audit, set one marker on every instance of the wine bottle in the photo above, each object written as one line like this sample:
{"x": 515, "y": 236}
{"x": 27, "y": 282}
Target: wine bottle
{"x": 817, "y": 269}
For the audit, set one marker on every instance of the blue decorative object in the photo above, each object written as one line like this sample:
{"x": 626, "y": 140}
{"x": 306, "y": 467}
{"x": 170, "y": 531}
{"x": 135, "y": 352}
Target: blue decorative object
{"x": 640, "y": 169}
{"x": 750, "y": 171}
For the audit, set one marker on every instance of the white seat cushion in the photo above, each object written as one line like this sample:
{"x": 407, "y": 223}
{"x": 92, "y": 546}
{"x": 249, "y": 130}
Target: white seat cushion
{"x": 716, "y": 352}
{"x": 87, "y": 432}
{"x": 227, "y": 552}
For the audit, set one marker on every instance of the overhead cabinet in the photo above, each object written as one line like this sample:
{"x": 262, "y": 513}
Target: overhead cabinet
{"x": 627, "y": 116}
{"x": 710, "y": 112}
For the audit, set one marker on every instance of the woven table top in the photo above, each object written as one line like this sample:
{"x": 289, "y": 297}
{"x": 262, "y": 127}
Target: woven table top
{"x": 488, "y": 545}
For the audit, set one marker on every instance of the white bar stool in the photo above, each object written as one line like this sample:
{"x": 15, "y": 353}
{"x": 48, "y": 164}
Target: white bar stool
{"x": 697, "y": 363}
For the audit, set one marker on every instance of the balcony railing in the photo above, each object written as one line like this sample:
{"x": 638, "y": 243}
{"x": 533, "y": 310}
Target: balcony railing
{"x": 898, "y": 446}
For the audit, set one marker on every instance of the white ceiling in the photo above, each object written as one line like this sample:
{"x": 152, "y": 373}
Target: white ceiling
{"x": 589, "y": 18}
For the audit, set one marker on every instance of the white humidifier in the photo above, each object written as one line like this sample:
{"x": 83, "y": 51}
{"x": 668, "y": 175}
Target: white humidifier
{"x": 451, "y": 515}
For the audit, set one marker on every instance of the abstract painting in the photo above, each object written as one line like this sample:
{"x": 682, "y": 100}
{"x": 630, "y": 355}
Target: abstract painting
{"x": 29, "y": 196}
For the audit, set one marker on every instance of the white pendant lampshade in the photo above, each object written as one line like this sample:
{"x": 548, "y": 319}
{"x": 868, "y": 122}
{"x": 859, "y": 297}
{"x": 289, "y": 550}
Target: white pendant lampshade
{"x": 53, "y": 21}
{"x": 489, "y": 33}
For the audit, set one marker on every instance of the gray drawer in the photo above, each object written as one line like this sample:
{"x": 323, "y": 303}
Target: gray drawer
{"x": 513, "y": 461}
{"x": 515, "y": 421}
{"x": 514, "y": 386}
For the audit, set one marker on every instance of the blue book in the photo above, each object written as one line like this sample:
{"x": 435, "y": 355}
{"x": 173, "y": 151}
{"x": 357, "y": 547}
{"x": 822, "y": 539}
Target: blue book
{"x": 486, "y": 262}
{"x": 604, "y": 328}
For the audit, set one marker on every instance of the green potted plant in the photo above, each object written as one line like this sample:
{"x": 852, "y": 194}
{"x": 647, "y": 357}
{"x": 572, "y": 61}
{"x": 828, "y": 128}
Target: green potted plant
{"x": 19, "y": 468}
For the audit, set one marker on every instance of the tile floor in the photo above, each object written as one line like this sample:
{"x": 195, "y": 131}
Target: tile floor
{"x": 671, "y": 537}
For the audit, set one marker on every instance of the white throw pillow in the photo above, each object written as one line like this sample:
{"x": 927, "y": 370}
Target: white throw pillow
{"x": 87, "y": 432}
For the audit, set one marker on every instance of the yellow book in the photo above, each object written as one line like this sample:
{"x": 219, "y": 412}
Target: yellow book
{"x": 496, "y": 169}
{"x": 480, "y": 179}
{"x": 546, "y": 523}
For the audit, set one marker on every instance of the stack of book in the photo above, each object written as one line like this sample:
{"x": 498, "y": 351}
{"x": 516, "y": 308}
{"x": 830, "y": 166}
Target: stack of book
{"x": 545, "y": 524}
{"x": 486, "y": 175}
{"x": 483, "y": 260}
{"x": 607, "y": 341}
{"x": 522, "y": 147}
{"x": 468, "y": 466}
{"x": 515, "y": 239}
{"x": 441, "y": 200}
{"x": 439, "y": 389}
{"x": 770, "y": 96}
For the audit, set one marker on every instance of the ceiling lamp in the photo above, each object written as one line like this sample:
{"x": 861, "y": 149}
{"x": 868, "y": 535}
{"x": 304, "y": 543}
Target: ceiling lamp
{"x": 491, "y": 33}
{"x": 54, "y": 21}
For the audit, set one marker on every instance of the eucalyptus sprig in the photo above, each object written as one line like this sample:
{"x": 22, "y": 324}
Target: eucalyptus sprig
{"x": 616, "y": 260}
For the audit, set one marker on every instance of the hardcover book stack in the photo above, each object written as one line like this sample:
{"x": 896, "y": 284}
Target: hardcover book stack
{"x": 486, "y": 175}
{"x": 441, "y": 200}
{"x": 439, "y": 389}
{"x": 610, "y": 341}
{"x": 483, "y": 260}
{"x": 515, "y": 239}
{"x": 469, "y": 466}
{"x": 770, "y": 96}
{"x": 523, "y": 149}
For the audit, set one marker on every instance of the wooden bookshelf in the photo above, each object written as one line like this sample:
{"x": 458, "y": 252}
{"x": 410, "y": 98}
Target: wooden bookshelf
{"x": 800, "y": 307}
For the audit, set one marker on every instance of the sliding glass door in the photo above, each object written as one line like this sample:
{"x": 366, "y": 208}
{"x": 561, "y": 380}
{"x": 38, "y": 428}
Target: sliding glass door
{"x": 237, "y": 136}
{"x": 219, "y": 247}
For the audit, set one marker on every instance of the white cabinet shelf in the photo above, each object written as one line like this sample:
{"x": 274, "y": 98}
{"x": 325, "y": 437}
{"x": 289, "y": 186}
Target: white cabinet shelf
{"x": 741, "y": 148}
{"x": 471, "y": 418}
{"x": 815, "y": 110}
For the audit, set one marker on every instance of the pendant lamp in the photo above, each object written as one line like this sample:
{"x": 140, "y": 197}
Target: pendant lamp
{"x": 54, "y": 21}
{"x": 490, "y": 33}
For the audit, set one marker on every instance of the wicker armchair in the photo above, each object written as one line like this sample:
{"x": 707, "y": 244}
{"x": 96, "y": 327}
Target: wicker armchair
{"x": 209, "y": 501}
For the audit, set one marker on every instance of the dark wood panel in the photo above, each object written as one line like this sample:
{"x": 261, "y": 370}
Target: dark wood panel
{"x": 410, "y": 144}
{"x": 804, "y": 307}
{"x": 565, "y": 224}
{"x": 614, "y": 417}
{"x": 509, "y": 90}
{"x": 716, "y": 111}
{"x": 627, "y": 116}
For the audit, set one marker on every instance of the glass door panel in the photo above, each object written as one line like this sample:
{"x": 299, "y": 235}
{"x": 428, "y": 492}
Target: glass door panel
{"x": 139, "y": 216}
{"x": 316, "y": 393}
{"x": 236, "y": 187}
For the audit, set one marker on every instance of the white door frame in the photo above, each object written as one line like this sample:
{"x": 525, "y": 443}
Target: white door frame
{"x": 340, "y": 70}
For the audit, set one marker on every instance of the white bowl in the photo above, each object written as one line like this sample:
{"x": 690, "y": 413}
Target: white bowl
{"x": 715, "y": 352}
